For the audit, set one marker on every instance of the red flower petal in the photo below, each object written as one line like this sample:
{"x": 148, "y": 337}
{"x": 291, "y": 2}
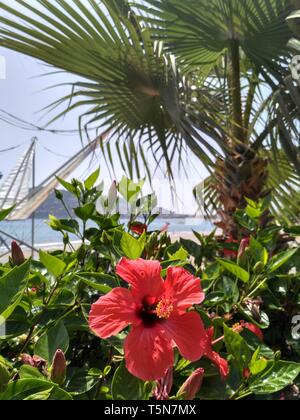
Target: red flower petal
{"x": 221, "y": 363}
{"x": 148, "y": 354}
{"x": 188, "y": 333}
{"x": 138, "y": 228}
{"x": 183, "y": 288}
{"x": 113, "y": 312}
{"x": 254, "y": 329}
{"x": 144, "y": 277}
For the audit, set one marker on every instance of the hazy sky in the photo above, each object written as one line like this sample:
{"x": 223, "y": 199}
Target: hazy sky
{"x": 21, "y": 94}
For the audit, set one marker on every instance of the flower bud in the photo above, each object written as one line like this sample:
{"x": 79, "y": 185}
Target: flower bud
{"x": 192, "y": 385}
{"x": 33, "y": 361}
{"x": 59, "y": 195}
{"x": 246, "y": 373}
{"x": 113, "y": 192}
{"x": 164, "y": 386}
{"x": 59, "y": 367}
{"x": 17, "y": 255}
{"x": 243, "y": 246}
{"x": 26, "y": 359}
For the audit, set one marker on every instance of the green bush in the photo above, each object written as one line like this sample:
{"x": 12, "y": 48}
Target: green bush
{"x": 252, "y": 297}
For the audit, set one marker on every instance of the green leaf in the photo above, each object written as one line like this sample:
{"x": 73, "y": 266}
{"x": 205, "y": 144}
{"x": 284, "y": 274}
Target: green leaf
{"x": 79, "y": 381}
{"x": 234, "y": 269}
{"x": 257, "y": 364}
{"x": 4, "y": 377}
{"x": 244, "y": 220}
{"x": 69, "y": 187}
{"x": 180, "y": 255}
{"x": 60, "y": 225}
{"x": 254, "y": 343}
{"x": 40, "y": 396}
{"x": 129, "y": 189}
{"x": 238, "y": 348}
{"x": 279, "y": 376}
{"x": 193, "y": 248}
{"x": 64, "y": 297}
{"x": 293, "y": 230}
{"x": 16, "y": 324}
{"x": 5, "y": 213}
{"x": 27, "y": 388}
{"x": 29, "y": 372}
{"x": 92, "y": 179}
{"x": 94, "y": 284}
{"x": 85, "y": 212}
{"x": 258, "y": 251}
{"x": 55, "y": 338}
{"x": 253, "y": 212}
{"x": 280, "y": 259}
{"x": 230, "y": 289}
{"x": 12, "y": 287}
{"x": 132, "y": 247}
{"x": 133, "y": 390}
{"x": 54, "y": 265}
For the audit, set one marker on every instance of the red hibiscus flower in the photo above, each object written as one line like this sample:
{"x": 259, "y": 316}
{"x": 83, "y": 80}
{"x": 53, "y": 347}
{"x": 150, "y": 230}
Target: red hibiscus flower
{"x": 221, "y": 363}
{"x": 138, "y": 228}
{"x": 156, "y": 310}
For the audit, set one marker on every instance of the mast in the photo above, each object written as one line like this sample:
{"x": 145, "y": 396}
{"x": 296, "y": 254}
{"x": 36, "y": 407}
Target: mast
{"x": 33, "y": 190}
{"x": 16, "y": 186}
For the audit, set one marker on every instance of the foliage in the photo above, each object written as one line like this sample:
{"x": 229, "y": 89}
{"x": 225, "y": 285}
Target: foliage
{"x": 251, "y": 285}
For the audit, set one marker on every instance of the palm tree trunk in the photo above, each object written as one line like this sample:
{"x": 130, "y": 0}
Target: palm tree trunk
{"x": 242, "y": 173}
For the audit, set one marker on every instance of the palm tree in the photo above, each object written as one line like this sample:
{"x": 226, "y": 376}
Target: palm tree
{"x": 245, "y": 48}
{"x": 170, "y": 77}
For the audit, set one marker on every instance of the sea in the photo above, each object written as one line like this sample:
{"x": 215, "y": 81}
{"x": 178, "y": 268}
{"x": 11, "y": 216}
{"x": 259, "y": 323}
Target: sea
{"x": 45, "y": 237}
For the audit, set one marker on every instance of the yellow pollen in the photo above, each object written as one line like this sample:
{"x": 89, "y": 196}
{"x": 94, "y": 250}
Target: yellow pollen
{"x": 164, "y": 309}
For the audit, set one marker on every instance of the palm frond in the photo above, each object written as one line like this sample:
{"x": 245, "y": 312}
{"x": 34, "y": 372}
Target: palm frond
{"x": 200, "y": 31}
{"x": 128, "y": 84}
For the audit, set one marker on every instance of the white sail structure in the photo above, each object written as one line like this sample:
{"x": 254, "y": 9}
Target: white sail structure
{"x": 28, "y": 203}
{"x": 17, "y": 185}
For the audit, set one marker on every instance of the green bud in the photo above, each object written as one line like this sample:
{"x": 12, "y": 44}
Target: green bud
{"x": 66, "y": 239}
{"x": 107, "y": 370}
{"x": 59, "y": 195}
{"x": 148, "y": 387}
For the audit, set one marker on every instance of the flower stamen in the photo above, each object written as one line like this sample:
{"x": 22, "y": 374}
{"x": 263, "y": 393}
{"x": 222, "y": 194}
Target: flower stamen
{"x": 164, "y": 309}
